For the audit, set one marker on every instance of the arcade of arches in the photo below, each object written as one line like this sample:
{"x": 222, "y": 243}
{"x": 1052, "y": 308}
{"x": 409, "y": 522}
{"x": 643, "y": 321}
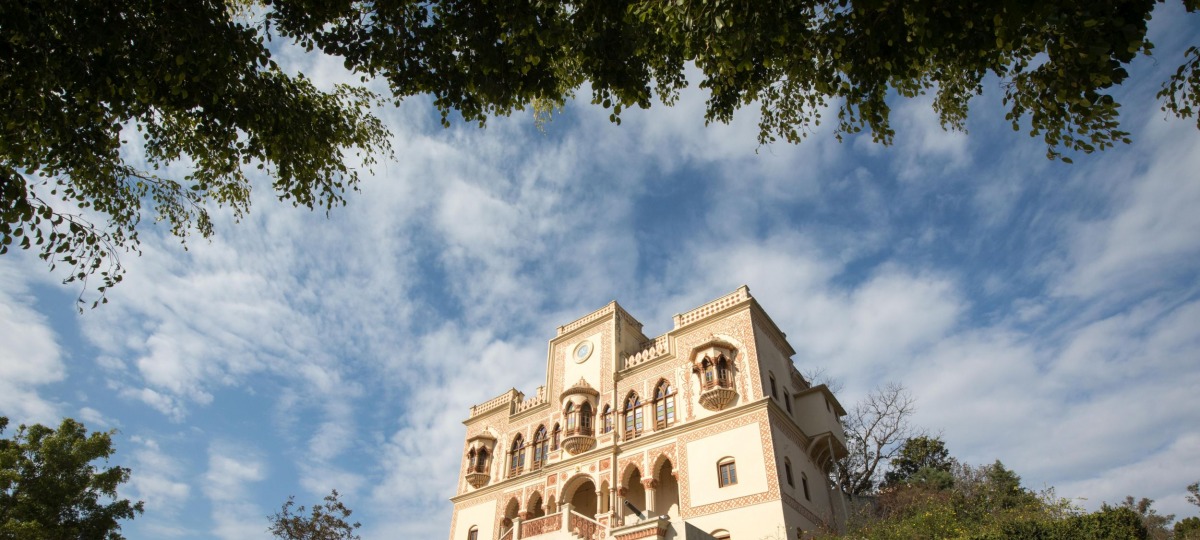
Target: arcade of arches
{"x": 657, "y": 495}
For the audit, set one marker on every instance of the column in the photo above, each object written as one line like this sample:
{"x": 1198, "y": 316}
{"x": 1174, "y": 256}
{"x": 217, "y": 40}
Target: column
{"x": 566, "y": 516}
{"x": 651, "y": 486}
{"x": 620, "y": 504}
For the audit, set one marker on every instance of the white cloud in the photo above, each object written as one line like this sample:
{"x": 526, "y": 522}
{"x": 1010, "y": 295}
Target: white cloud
{"x": 1150, "y": 239}
{"x": 924, "y": 149}
{"x": 231, "y": 471}
{"x": 96, "y": 420}
{"x": 31, "y": 356}
{"x": 156, "y": 478}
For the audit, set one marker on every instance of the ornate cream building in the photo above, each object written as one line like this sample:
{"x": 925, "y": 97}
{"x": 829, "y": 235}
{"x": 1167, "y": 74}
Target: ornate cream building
{"x": 707, "y": 431}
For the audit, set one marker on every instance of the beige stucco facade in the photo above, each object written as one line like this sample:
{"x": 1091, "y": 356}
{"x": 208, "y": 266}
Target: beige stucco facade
{"x": 708, "y": 431}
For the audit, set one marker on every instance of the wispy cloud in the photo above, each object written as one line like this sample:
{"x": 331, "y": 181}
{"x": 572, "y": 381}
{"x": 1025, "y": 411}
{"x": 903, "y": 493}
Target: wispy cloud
{"x": 30, "y": 356}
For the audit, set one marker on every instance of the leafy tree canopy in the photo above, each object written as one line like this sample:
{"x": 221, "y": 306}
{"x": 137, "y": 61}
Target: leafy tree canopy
{"x": 327, "y": 521}
{"x": 1059, "y": 61}
{"x": 1188, "y": 529}
{"x": 50, "y": 488}
{"x": 923, "y": 454}
{"x": 191, "y": 83}
{"x": 1155, "y": 523}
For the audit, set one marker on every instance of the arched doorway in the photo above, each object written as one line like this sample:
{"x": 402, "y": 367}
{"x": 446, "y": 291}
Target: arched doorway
{"x": 510, "y": 513}
{"x": 635, "y": 494}
{"x": 666, "y": 496}
{"x": 535, "y": 507}
{"x": 580, "y": 491}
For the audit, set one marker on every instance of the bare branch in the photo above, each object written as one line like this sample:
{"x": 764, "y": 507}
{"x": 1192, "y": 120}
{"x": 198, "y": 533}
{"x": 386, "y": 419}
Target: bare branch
{"x": 875, "y": 429}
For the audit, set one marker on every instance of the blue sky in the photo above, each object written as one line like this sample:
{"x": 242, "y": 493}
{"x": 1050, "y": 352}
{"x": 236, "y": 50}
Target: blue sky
{"x": 1043, "y": 314}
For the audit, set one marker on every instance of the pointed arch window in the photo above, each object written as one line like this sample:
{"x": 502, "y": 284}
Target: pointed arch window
{"x": 477, "y": 460}
{"x": 606, "y": 419}
{"x": 540, "y": 450}
{"x": 572, "y": 420}
{"x": 557, "y": 436}
{"x": 516, "y": 462}
{"x": 633, "y": 416}
{"x": 585, "y": 418}
{"x": 481, "y": 461}
{"x": 664, "y": 405}
{"x": 715, "y": 373}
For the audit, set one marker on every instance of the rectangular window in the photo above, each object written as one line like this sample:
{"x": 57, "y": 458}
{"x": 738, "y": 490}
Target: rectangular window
{"x": 728, "y": 473}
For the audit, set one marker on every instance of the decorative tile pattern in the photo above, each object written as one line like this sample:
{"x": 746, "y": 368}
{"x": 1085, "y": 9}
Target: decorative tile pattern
{"x": 626, "y": 465}
{"x": 661, "y": 454}
{"x": 772, "y": 492}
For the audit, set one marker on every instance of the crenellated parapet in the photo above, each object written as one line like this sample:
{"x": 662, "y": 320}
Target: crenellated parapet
{"x": 734, "y": 298}
{"x": 651, "y": 350}
{"x": 505, "y": 400}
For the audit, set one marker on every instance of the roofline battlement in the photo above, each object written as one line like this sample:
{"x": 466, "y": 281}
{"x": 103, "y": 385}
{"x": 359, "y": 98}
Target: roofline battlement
{"x": 714, "y": 307}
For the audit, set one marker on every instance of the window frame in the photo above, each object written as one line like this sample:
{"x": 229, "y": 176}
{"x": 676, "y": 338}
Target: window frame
{"x": 664, "y": 405}
{"x": 481, "y": 460}
{"x": 634, "y": 420}
{"x": 541, "y": 453}
{"x": 724, "y": 372}
{"x": 727, "y": 472}
{"x": 516, "y": 460}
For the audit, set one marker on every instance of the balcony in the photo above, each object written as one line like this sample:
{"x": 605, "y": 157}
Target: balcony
{"x": 578, "y": 440}
{"x": 477, "y": 479}
{"x": 716, "y": 395}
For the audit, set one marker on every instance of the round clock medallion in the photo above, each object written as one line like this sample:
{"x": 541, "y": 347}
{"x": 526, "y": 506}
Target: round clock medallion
{"x": 583, "y": 351}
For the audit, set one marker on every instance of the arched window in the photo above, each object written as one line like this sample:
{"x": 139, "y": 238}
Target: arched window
{"x": 720, "y": 534}
{"x": 724, "y": 376}
{"x": 787, "y": 469}
{"x": 664, "y": 405}
{"x": 557, "y": 435}
{"x": 607, "y": 420}
{"x": 726, "y": 472}
{"x": 516, "y": 456}
{"x": 471, "y": 460}
{"x": 585, "y": 418}
{"x": 473, "y": 534}
{"x": 707, "y": 367}
{"x": 633, "y": 416}
{"x": 804, "y": 482}
{"x": 774, "y": 393}
{"x": 481, "y": 460}
{"x": 571, "y": 419}
{"x": 540, "y": 452}
{"x": 787, "y": 400}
